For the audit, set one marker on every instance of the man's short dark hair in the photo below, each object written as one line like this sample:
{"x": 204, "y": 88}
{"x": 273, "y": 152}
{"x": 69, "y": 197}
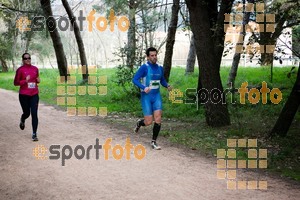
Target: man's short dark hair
{"x": 150, "y": 49}
{"x": 25, "y": 54}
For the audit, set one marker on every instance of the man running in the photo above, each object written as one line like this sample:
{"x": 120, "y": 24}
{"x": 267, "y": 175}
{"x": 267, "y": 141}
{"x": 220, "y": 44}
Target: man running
{"x": 151, "y": 76}
{"x": 27, "y": 77}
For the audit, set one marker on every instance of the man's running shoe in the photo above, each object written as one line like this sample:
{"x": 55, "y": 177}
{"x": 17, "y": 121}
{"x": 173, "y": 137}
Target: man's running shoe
{"x": 22, "y": 125}
{"x": 155, "y": 146}
{"x": 137, "y": 127}
{"x": 34, "y": 137}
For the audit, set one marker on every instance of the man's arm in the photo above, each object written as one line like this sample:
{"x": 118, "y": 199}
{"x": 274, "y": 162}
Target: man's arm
{"x": 138, "y": 75}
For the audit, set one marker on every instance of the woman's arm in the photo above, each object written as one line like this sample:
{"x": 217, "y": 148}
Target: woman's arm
{"x": 17, "y": 80}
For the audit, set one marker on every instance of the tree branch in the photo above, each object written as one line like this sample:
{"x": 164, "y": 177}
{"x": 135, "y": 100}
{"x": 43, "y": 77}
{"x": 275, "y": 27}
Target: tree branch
{"x": 16, "y": 10}
{"x": 292, "y": 24}
{"x": 294, "y": 52}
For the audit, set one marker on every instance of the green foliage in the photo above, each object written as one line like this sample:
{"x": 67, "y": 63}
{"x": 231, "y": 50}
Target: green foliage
{"x": 118, "y": 6}
{"x": 5, "y": 50}
{"x": 124, "y": 77}
{"x": 12, "y": 40}
{"x": 296, "y": 40}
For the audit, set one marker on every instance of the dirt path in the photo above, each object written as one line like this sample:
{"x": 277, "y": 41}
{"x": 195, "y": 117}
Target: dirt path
{"x": 171, "y": 173}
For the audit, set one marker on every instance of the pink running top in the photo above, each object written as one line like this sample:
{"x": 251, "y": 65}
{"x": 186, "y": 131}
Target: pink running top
{"x": 27, "y": 88}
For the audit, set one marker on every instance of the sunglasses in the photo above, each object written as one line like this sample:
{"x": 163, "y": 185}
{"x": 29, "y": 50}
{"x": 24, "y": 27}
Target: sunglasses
{"x": 27, "y": 58}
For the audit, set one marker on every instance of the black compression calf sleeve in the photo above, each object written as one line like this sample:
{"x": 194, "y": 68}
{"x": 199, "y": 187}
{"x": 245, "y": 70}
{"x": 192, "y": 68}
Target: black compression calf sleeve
{"x": 156, "y": 129}
{"x": 141, "y": 123}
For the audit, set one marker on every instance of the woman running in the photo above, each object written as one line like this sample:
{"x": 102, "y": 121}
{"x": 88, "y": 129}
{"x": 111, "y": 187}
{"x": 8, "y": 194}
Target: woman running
{"x": 27, "y": 77}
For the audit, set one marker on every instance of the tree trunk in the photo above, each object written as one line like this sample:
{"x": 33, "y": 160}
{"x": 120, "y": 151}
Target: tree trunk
{"x": 145, "y": 29}
{"x": 266, "y": 59}
{"x": 79, "y": 41}
{"x": 191, "y": 60}
{"x": 57, "y": 44}
{"x": 216, "y": 113}
{"x": 14, "y": 50}
{"x": 217, "y": 29}
{"x": 234, "y": 69}
{"x": 289, "y": 110}
{"x": 268, "y": 38}
{"x": 171, "y": 39}
{"x": 28, "y": 39}
{"x": 131, "y": 44}
{"x": 4, "y": 65}
{"x": 237, "y": 55}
